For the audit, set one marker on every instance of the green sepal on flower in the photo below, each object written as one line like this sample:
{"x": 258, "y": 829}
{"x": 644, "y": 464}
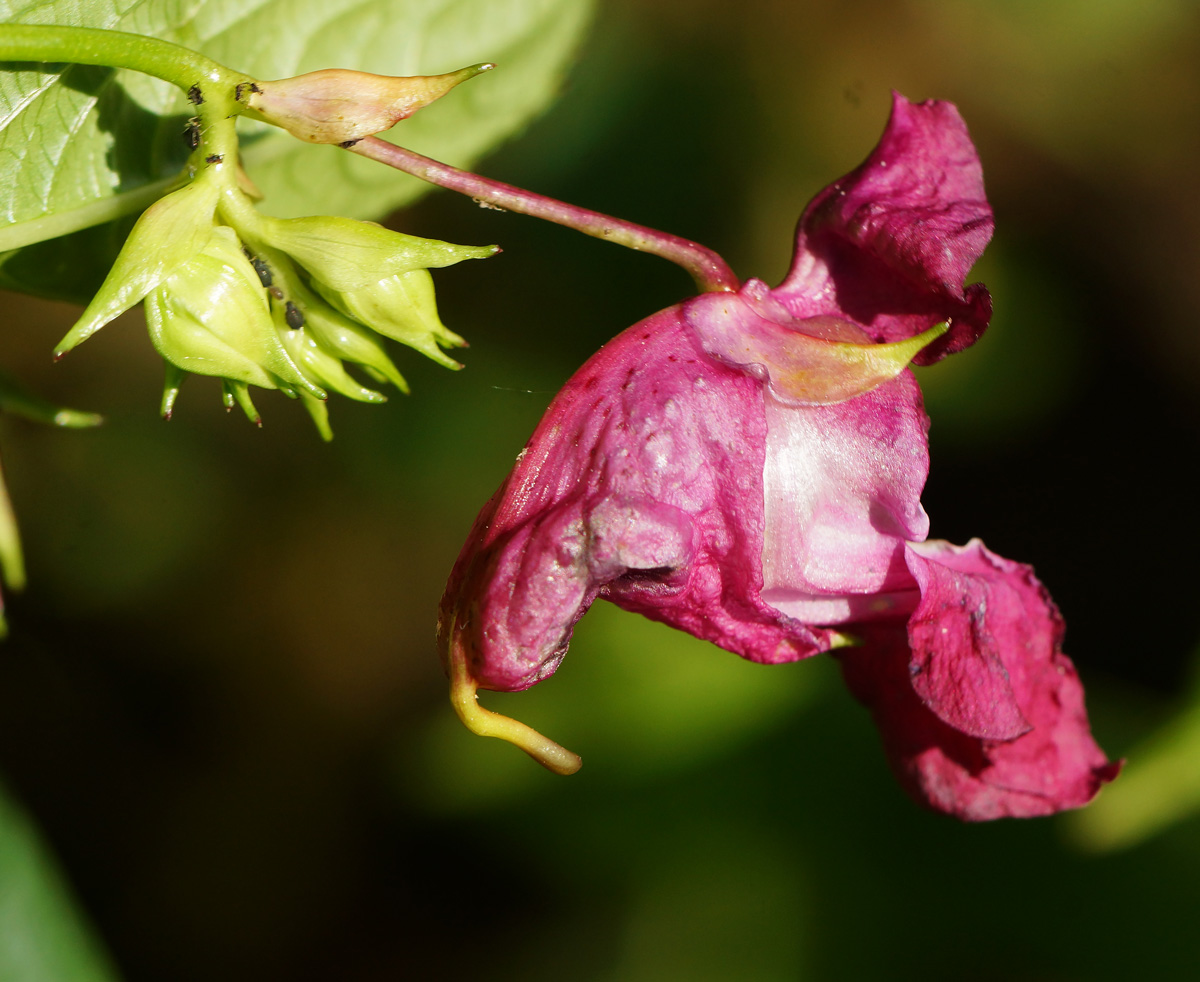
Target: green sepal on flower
{"x": 815, "y": 361}
{"x": 238, "y": 394}
{"x": 169, "y": 233}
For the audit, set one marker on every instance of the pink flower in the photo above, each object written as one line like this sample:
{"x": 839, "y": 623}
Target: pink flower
{"x": 747, "y": 467}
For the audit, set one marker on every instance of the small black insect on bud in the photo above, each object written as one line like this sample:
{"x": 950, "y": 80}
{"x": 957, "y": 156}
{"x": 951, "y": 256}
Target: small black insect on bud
{"x": 293, "y": 315}
{"x": 214, "y": 158}
{"x": 195, "y": 96}
{"x": 191, "y": 132}
{"x": 262, "y": 269}
{"x": 240, "y": 90}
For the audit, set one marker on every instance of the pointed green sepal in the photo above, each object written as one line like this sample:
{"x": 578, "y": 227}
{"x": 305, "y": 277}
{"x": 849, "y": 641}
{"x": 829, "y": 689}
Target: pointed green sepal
{"x": 812, "y": 371}
{"x": 323, "y": 367}
{"x": 352, "y": 342}
{"x": 240, "y": 392}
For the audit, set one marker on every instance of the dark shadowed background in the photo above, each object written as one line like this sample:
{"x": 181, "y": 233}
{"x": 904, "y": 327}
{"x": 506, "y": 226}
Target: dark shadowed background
{"x": 221, "y": 699}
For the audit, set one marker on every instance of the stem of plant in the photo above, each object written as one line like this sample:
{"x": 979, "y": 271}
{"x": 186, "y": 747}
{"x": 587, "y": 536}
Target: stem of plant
{"x": 710, "y": 271}
{"x": 115, "y": 49}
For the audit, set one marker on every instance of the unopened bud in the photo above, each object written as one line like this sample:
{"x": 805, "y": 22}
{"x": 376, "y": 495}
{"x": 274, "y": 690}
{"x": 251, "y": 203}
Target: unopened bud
{"x": 211, "y": 317}
{"x": 321, "y": 365}
{"x": 354, "y": 343}
{"x": 344, "y": 254}
{"x": 337, "y": 105}
{"x": 169, "y": 233}
{"x": 402, "y": 308}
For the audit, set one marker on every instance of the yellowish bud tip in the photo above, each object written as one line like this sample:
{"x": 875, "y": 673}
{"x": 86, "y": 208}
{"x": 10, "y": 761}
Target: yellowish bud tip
{"x": 337, "y": 105}
{"x": 484, "y": 722}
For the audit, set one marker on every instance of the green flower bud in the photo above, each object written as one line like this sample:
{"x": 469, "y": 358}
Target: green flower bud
{"x": 344, "y": 254}
{"x": 211, "y": 316}
{"x": 337, "y": 105}
{"x": 352, "y": 342}
{"x": 169, "y": 233}
{"x": 402, "y": 308}
{"x": 321, "y": 365}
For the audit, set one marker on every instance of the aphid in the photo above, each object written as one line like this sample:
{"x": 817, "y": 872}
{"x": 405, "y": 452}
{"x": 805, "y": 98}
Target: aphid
{"x": 261, "y": 268}
{"x": 293, "y": 315}
{"x": 191, "y": 132}
{"x": 195, "y": 96}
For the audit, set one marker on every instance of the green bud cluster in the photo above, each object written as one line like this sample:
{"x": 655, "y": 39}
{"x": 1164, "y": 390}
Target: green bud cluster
{"x": 283, "y": 304}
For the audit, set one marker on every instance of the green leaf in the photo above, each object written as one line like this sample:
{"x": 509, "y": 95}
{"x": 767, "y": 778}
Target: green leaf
{"x": 87, "y": 144}
{"x": 42, "y": 938}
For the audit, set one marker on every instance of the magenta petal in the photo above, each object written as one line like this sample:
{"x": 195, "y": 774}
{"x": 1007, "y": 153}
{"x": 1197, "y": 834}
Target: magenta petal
{"x": 970, "y": 613}
{"x": 890, "y": 244}
{"x": 643, "y": 484}
{"x": 1053, "y": 765}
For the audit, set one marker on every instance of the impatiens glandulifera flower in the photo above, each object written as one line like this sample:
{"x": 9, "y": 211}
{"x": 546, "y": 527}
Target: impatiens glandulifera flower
{"x": 747, "y": 466}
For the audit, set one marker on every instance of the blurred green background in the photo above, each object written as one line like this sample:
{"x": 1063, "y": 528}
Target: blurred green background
{"x": 221, "y": 700}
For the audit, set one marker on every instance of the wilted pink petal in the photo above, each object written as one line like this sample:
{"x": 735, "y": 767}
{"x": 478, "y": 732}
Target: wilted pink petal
{"x": 992, "y": 637}
{"x": 890, "y": 245}
{"x": 643, "y": 484}
{"x": 957, "y": 634}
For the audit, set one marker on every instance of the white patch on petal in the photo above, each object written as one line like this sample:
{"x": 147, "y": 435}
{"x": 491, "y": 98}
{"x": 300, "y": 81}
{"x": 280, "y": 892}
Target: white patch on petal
{"x": 841, "y": 498}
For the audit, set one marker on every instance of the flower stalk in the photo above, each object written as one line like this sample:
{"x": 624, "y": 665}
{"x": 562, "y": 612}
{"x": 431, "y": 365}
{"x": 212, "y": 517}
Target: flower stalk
{"x": 710, "y": 272}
